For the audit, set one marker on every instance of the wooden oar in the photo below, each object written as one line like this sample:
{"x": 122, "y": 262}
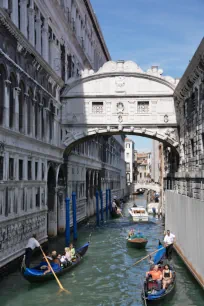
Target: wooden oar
{"x": 60, "y": 285}
{"x": 148, "y": 256}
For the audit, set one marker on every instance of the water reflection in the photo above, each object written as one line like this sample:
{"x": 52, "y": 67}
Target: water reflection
{"x": 106, "y": 276}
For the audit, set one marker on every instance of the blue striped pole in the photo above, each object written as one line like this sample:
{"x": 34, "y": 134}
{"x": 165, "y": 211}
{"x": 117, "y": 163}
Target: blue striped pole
{"x": 101, "y": 198}
{"x": 74, "y": 215}
{"x": 97, "y": 209}
{"x": 67, "y": 233}
{"x": 106, "y": 203}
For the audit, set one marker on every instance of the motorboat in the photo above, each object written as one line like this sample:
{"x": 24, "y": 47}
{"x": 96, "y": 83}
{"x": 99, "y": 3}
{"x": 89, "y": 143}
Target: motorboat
{"x": 139, "y": 214}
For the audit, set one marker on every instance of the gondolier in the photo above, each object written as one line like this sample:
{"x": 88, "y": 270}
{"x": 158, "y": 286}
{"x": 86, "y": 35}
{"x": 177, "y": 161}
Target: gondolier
{"x": 31, "y": 245}
{"x": 169, "y": 240}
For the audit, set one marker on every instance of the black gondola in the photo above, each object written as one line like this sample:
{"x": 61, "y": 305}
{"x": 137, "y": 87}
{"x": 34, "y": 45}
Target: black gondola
{"x": 151, "y": 292}
{"x": 36, "y": 274}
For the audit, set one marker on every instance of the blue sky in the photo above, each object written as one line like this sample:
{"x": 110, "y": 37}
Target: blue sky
{"x": 152, "y": 32}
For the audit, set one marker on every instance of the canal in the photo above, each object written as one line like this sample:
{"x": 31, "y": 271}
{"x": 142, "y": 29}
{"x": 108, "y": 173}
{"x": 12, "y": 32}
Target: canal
{"x": 102, "y": 279}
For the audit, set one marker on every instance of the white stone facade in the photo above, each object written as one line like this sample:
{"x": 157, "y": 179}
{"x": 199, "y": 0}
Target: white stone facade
{"x": 129, "y": 159}
{"x": 47, "y": 43}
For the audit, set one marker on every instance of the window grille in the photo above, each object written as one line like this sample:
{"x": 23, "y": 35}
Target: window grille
{"x": 97, "y": 107}
{"x": 143, "y": 107}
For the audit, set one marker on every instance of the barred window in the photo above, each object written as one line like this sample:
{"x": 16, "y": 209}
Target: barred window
{"x": 97, "y": 107}
{"x": 143, "y": 106}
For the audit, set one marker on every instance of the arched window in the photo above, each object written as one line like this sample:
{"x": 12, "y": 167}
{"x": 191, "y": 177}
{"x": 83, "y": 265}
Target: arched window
{"x": 12, "y": 101}
{"x": 29, "y": 110}
{"x": 2, "y": 88}
{"x": 21, "y": 106}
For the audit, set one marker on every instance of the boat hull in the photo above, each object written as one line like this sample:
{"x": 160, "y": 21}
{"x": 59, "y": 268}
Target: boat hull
{"x": 36, "y": 275}
{"x": 114, "y": 215}
{"x": 138, "y": 243}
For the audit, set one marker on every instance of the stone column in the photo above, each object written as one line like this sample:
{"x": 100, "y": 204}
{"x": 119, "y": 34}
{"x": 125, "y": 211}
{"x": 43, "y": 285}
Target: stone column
{"x": 5, "y": 4}
{"x": 6, "y": 103}
{"x": 25, "y": 126}
{"x": 31, "y": 23}
{"x": 45, "y": 41}
{"x": 14, "y": 13}
{"x": 38, "y": 32}
{"x": 40, "y": 121}
{"x": 16, "y": 118}
{"x": 33, "y": 118}
{"x": 23, "y": 17}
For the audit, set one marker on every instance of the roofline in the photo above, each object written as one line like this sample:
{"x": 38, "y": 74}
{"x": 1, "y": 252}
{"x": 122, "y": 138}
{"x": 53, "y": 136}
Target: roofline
{"x": 97, "y": 28}
{"x": 191, "y": 67}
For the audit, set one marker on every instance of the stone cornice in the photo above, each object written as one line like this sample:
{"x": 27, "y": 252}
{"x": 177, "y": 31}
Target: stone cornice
{"x": 6, "y": 21}
{"x": 194, "y": 70}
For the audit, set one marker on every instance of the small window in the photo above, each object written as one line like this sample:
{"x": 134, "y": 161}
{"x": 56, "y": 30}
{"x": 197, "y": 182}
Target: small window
{"x": 20, "y": 169}
{"x": 43, "y": 171}
{"x": 37, "y": 198}
{"x": 143, "y": 106}
{"x": 97, "y": 107}
{"x": 29, "y": 170}
{"x": 192, "y": 148}
{"x": 11, "y": 168}
{"x": 36, "y": 170}
{"x": 1, "y": 168}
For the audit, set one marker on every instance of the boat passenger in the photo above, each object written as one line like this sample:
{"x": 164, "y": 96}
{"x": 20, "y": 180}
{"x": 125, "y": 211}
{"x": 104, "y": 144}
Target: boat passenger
{"x": 131, "y": 233}
{"x": 114, "y": 206}
{"x": 73, "y": 253}
{"x": 156, "y": 275}
{"x": 68, "y": 254}
{"x": 55, "y": 260}
{"x": 167, "y": 276}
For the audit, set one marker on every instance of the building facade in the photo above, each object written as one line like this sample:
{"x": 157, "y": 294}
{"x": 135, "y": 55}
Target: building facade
{"x": 155, "y": 161}
{"x": 184, "y": 176}
{"x": 129, "y": 159}
{"x": 43, "y": 44}
{"x": 143, "y": 167}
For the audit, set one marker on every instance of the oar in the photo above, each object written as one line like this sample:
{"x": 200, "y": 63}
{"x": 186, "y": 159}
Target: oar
{"x": 148, "y": 256}
{"x": 60, "y": 285}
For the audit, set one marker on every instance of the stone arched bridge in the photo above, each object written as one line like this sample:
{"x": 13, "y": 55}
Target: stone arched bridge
{"x": 151, "y": 186}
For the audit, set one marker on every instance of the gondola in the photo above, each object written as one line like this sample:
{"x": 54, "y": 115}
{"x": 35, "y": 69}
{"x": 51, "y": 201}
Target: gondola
{"x": 150, "y": 291}
{"x": 137, "y": 241}
{"x": 115, "y": 214}
{"x": 35, "y": 275}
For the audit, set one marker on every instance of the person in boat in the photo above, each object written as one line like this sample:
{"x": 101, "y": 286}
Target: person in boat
{"x": 169, "y": 240}
{"x": 68, "y": 254}
{"x": 114, "y": 206}
{"x": 31, "y": 245}
{"x": 134, "y": 205}
{"x": 167, "y": 276}
{"x": 55, "y": 260}
{"x": 155, "y": 275}
{"x": 131, "y": 233}
{"x": 72, "y": 251}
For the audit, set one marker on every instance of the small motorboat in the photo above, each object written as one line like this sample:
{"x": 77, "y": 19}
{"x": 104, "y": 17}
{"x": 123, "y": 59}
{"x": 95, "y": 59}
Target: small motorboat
{"x": 139, "y": 214}
{"x": 151, "y": 292}
{"x": 36, "y": 274}
{"x": 137, "y": 241}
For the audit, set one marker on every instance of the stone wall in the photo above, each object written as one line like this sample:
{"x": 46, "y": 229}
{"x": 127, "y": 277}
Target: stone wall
{"x": 184, "y": 217}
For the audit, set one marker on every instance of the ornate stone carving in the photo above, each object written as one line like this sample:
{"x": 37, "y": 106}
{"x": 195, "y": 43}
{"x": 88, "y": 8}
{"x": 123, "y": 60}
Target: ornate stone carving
{"x": 166, "y": 118}
{"x": 120, "y": 107}
{"x": 120, "y": 118}
{"x": 120, "y": 83}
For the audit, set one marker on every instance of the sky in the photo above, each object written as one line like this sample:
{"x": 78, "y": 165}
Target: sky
{"x": 152, "y": 32}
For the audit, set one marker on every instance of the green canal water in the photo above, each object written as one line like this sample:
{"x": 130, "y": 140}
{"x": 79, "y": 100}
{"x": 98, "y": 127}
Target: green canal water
{"x": 102, "y": 279}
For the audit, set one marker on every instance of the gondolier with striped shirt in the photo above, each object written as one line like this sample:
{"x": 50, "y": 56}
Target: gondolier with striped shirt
{"x": 169, "y": 240}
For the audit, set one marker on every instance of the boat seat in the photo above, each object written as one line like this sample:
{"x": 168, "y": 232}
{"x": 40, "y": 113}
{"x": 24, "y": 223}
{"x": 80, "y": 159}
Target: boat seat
{"x": 152, "y": 285}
